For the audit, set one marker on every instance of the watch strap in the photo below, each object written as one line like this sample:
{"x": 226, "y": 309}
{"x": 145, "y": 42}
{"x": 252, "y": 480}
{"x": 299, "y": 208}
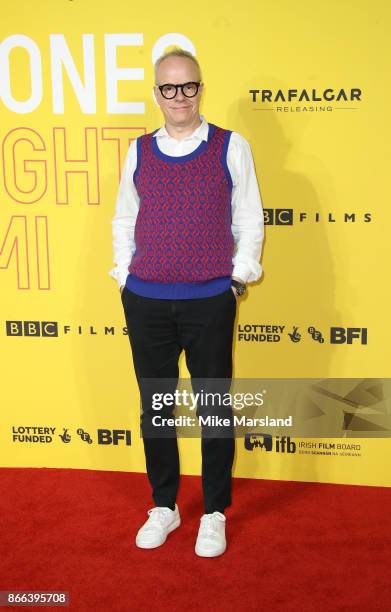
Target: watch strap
{"x": 241, "y": 287}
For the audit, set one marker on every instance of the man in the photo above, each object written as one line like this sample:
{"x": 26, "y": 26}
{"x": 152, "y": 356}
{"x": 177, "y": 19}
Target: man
{"x": 188, "y": 193}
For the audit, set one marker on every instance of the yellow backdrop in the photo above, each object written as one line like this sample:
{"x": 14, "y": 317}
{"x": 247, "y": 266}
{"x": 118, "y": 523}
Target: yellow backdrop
{"x": 308, "y": 89}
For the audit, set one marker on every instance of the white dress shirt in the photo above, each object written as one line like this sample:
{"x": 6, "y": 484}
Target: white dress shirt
{"x": 247, "y": 212}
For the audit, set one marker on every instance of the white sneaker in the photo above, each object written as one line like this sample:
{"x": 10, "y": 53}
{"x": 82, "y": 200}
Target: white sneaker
{"x": 155, "y": 530}
{"x": 211, "y": 540}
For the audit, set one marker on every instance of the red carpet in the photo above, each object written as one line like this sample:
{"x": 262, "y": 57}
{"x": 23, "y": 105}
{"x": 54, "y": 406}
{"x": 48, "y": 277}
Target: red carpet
{"x": 291, "y": 546}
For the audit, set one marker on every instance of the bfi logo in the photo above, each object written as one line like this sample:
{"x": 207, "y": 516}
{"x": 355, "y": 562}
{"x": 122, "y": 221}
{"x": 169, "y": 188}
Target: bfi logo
{"x": 114, "y": 437}
{"x": 32, "y": 328}
{"x": 347, "y": 335}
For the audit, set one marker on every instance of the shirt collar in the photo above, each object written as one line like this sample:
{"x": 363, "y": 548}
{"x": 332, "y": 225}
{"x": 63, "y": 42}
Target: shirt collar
{"x": 200, "y": 133}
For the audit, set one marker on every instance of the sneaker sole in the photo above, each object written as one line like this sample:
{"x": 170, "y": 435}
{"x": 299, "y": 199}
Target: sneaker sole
{"x": 169, "y": 530}
{"x": 202, "y": 553}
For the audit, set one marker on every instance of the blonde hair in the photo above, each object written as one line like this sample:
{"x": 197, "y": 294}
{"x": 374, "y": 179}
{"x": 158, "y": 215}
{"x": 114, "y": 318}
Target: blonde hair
{"x": 177, "y": 52}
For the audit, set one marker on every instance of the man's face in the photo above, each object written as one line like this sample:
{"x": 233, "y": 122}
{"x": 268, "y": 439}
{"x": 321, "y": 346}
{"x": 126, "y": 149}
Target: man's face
{"x": 179, "y": 111}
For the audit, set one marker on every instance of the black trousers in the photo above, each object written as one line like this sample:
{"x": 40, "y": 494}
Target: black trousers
{"x": 158, "y": 331}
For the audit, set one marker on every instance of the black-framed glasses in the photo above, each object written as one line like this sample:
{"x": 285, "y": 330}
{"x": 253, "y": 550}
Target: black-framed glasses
{"x": 189, "y": 90}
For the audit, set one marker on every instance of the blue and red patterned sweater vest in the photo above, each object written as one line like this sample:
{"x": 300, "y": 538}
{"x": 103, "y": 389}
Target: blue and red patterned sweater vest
{"x": 184, "y": 243}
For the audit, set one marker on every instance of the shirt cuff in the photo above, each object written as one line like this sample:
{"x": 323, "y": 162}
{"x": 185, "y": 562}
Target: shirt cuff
{"x": 119, "y": 275}
{"x": 242, "y": 271}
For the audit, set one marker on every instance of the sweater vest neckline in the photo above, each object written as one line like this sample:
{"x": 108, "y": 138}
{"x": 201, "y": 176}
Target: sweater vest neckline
{"x": 182, "y": 158}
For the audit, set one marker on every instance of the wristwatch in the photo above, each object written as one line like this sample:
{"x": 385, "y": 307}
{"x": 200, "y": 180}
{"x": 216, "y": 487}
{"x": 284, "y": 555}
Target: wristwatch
{"x": 240, "y": 287}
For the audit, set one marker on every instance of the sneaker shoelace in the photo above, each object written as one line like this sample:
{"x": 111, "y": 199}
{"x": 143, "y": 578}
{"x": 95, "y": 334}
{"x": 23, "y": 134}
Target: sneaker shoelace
{"x": 157, "y": 517}
{"x": 209, "y": 524}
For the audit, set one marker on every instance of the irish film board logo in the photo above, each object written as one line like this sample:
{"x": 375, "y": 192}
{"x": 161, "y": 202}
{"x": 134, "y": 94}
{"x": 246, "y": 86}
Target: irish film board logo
{"x": 265, "y": 442}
